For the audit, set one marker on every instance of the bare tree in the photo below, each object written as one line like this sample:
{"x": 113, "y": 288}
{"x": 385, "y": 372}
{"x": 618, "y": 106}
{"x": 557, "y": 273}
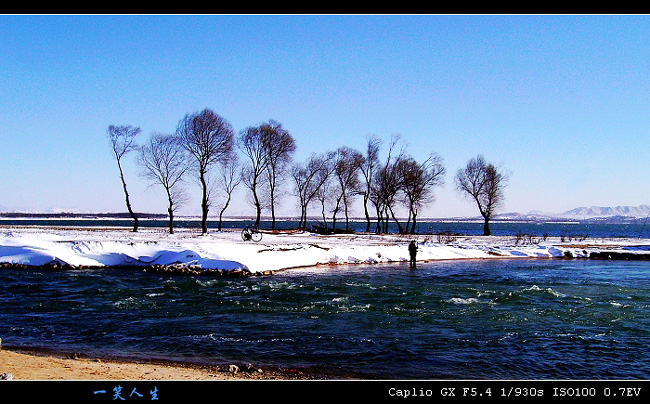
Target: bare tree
{"x": 302, "y": 179}
{"x": 325, "y": 182}
{"x": 484, "y": 183}
{"x": 346, "y": 171}
{"x": 165, "y": 162}
{"x": 122, "y": 142}
{"x": 386, "y": 185}
{"x": 280, "y": 146}
{"x": 252, "y": 143}
{"x": 308, "y": 180}
{"x": 386, "y": 189}
{"x": 417, "y": 182}
{"x": 209, "y": 139}
{"x": 368, "y": 166}
{"x": 231, "y": 177}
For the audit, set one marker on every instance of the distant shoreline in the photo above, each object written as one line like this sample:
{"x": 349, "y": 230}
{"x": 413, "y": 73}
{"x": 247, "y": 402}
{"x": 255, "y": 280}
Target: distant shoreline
{"x": 499, "y": 218}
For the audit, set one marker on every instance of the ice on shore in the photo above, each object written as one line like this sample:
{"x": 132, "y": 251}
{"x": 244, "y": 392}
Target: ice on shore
{"x": 227, "y": 251}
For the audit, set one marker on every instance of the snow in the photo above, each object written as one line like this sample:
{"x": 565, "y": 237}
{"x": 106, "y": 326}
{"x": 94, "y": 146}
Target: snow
{"x": 226, "y": 250}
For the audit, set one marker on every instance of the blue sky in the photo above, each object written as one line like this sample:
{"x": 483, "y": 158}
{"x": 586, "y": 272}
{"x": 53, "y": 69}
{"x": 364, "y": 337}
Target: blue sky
{"x": 561, "y": 102}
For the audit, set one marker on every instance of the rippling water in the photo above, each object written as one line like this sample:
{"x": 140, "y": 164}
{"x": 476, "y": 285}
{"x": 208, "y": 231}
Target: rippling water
{"x": 490, "y": 319}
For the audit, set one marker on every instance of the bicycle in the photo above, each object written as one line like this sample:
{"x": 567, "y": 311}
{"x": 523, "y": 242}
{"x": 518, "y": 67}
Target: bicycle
{"x": 251, "y": 233}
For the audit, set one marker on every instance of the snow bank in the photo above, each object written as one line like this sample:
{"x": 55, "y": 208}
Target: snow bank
{"x": 227, "y": 251}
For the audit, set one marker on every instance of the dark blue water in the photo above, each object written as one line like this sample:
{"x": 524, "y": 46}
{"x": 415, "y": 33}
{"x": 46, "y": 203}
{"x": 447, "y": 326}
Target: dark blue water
{"x": 490, "y": 319}
{"x": 576, "y": 229}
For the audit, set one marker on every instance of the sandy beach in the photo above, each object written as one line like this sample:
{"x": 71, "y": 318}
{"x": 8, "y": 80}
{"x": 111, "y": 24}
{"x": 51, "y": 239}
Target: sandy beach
{"x": 25, "y": 365}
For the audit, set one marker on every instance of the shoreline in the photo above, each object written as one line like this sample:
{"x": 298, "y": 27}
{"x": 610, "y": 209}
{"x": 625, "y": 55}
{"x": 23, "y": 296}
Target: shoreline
{"x": 226, "y": 254}
{"x": 41, "y": 365}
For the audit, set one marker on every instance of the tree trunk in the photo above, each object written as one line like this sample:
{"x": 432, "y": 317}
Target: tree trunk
{"x": 379, "y": 221}
{"x": 414, "y": 222}
{"x": 365, "y": 208}
{"x": 303, "y": 217}
{"x": 258, "y": 214}
{"x": 170, "y": 210}
{"x": 486, "y": 227}
{"x": 399, "y": 225}
{"x": 128, "y": 203}
{"x": 272, "y": 207}
{"x": 324, "y": 218}
{"x": 272, "y": 195}
{"x": 335, "y": 211}
{"x": 347, "y": 218}
{"x": 223, "y": 210}
{"x": 486, "y": 217}
{"x": 171, "y": 220}
{"x": 204, "y": 204}
{"x": 408, "y": 222}
{"x": 256, "y": 202}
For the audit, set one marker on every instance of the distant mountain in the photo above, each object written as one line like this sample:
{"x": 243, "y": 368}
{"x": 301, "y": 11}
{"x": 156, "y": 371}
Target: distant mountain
{"x": 618, "y": 214}
{"x": 640, "y": 211}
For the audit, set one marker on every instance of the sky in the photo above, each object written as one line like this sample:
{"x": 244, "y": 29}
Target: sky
{"x": 560, "y": 102}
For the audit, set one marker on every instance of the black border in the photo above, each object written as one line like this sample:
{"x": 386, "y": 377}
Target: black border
{"x": 329, "y": 391}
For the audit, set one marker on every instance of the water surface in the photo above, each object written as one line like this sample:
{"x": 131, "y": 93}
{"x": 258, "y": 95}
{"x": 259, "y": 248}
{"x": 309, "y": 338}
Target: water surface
{"x": 477, "y": 319}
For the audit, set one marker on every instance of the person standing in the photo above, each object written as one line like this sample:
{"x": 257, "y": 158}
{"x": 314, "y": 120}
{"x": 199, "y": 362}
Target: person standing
{"x": 413, "y": 250}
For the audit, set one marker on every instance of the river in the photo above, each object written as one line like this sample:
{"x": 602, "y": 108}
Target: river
{"x": 474, "y": 319}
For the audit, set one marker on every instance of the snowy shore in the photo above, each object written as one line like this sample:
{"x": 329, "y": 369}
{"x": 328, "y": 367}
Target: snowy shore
{"x": 226, "y": 251}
